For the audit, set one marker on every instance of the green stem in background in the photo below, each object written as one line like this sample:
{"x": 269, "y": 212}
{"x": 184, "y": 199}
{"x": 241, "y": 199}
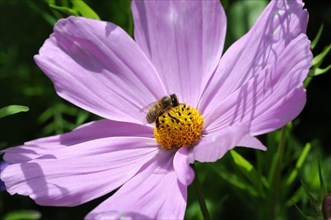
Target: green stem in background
{"x": 198, "y": 190}
{"x": 276, "y": 179}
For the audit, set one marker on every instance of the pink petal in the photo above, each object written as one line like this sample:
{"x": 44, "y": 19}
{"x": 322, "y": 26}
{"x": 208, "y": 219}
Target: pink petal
{"x": 214, "y": 145}
{"x": 74, "y": 175}
{"x": 98, "y": 67}
{"x": 182, "y": 161}
{"x": 3, "y": 164}
{"x": 184, "y": 40}
{"x": 90, "y": 131}
{"x": 251, "y": 142}
{"x": 154, "y": 193}
{"x": 260, "y": 48}
{"x": 270, "y": 99}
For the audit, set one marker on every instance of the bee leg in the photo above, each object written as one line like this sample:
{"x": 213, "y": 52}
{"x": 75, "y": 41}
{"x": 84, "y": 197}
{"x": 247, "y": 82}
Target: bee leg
{"x": 177, "y": 120}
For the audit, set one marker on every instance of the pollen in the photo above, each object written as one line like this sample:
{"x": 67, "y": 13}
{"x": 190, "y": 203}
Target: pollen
{"x": 180, "y": 126}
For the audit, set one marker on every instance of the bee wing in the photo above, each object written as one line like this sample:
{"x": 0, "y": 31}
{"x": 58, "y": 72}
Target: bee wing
{"x": 147, "y": 107}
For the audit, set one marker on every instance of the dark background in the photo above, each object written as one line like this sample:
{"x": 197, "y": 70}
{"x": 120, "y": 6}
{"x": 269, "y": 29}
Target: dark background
{"x": 24, "y": 28}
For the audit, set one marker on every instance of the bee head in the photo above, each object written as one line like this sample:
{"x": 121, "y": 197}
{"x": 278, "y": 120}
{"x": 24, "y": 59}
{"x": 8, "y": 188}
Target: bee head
{"x": 174, "y": 100}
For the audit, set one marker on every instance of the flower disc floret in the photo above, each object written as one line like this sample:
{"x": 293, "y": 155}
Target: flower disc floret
{"x": 181, "y": 126}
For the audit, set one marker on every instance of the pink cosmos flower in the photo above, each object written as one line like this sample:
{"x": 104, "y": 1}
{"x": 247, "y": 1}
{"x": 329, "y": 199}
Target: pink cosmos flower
{"x": 254, "y": 88}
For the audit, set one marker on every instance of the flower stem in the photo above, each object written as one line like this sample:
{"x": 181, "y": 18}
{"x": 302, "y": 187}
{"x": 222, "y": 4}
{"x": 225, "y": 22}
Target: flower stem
{"x": 276, "y": 180}
{"x": 198, "y": 190}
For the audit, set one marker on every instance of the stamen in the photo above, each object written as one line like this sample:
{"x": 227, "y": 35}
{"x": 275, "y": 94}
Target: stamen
{"x": 180, "y": 126}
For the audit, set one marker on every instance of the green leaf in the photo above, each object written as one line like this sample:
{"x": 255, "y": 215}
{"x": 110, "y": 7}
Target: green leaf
{"x": 240, "y": 161}
{"x": 273, "y": 160}
{"x": 324, "y": 190}
{"x": 12, "y": 109}
{"x": 295, "y": 197}
{"x": 317, "y": 61}
{"x": 248, "y": 170}
{"x": 318, "y": 71}
{"x": 36, "y": 8}
{"x": 242, "y": 15}
{"x": 298, "y": 164}
{"x": 50, "y": 2}
{"x": 309, "y": 194}
{"x": 236, "y": 182}
{"x": 64, "y": 9}
{"x": 82, "y": 116}
{"x": 317, "y": 37}
{"x": 23, "y": 215}
{"x": 85, "y": 10}
{"x": 303, "y": 214}
{"x": 44, "y": 116}
{"x": 307, "y": 81}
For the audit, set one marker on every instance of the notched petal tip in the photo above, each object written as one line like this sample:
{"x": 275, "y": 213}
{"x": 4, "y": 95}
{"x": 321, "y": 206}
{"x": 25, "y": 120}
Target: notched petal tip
{"x": 191, "y": 45}
{"x": 92, "y": 63}
{"x": 276, "y": 27}
{"x": 251, "y": 142}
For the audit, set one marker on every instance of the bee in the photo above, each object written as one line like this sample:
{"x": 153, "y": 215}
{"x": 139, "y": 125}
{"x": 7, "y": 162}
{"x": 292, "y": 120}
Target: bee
{"x": 161, "y": 106}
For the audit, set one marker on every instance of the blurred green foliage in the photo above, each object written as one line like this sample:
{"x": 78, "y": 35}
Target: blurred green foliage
{"x": 288, "y": 181}
{"x": 23, "y": 214}
{"x": 12, "y": 109}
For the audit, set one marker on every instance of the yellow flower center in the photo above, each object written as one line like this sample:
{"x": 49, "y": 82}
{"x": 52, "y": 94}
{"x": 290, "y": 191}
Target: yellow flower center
{"x": 178, "y": 127}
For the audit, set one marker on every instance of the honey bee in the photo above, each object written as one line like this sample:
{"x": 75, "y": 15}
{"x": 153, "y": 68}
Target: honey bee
{"x": 159, "y": 107}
